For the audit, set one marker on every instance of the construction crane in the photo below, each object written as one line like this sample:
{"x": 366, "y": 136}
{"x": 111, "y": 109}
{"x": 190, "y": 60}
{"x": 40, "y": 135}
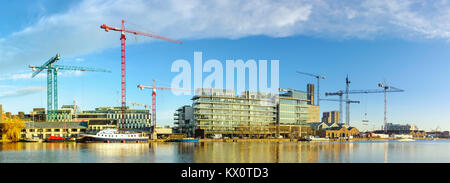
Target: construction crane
{"x": 386, "y": 89}
{"x": 318, "y": 83}
{"x": 340, "y": 104}
{"x": 122, "y": 30}
{"x": 139, "y": 104}
{"x": 154, "y": 88}
{"x": 52, "y": 82}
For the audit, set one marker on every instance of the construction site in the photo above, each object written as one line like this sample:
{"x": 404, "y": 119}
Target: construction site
{"x": 214, "y": 113}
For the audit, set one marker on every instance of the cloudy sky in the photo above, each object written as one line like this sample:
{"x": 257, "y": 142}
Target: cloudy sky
{"x": 405, "y": 42}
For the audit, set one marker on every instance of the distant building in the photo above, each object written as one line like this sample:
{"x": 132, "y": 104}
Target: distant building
{"x": 320, "y": 128}
{"x": 310, "y": 93}
{"x": 43, "y": 130}
{"x": 37, "y": 115}
{"x": 399, "y": 127}
{"x": 439, "y": 134}
{"x": 95, "y": 126}
{"x": 342, "y": 132}
{"x": 184, "y": 121}
{"x": 330, "y": 117}
{"x": 136, "y": 118}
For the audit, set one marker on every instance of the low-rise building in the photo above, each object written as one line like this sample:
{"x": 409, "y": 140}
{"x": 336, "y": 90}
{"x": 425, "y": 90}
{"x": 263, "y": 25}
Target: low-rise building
{"x": 400, "y": 127}
{"x": 95, "y": 126}
{"x": 136, "y": 119}
{"x": 341, "y": 132}
{"x": 43, "y": 130}
{"x": 163, "y": 132}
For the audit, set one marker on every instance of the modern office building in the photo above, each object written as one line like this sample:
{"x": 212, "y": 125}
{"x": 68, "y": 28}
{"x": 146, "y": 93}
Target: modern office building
{"x": 184, "y": 121}
{"x": 295, "y": 108}
{"x": 330, "y": 117}
{"x": 136, "y": 118}
{"x": 221, "y": 112}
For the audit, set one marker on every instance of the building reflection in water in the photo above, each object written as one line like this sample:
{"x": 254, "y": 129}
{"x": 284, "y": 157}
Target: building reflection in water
{"x": 226, "y": 152}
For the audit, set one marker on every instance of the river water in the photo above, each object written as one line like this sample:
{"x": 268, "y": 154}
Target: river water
{"x": 229, "y": 152}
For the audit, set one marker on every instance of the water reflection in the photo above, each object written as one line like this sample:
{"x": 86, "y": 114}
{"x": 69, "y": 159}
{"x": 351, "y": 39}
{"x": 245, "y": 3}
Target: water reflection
{"x": 227, "y": 152}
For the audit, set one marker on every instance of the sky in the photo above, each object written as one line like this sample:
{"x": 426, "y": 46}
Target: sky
{"x": 405, "y": 42}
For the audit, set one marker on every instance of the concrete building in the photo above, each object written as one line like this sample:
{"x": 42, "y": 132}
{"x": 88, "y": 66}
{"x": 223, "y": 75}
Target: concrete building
{"x": 43, "y": 130}
{"x": 184, "y": 121}
{"x": 330, "y": 117}
{"x": 219, "y": 111}
{"x": 139, "y": 119}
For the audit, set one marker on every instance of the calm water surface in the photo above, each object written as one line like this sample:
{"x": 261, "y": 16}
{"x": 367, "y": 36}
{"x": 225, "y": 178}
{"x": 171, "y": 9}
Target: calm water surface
{"x": 228, "y": 152}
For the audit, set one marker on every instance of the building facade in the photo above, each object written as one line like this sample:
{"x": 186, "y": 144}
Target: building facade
{"x": 43, "y": 130}
{"x": 330, "y": 117}
{"x": 136, "y": 118}
{"x": 184, "y": 121}
{"x": 342, "y": 132}
{"x": 219, "y": 111}
{"x": 399, "y": 127}
{"x": 295, "y": 108}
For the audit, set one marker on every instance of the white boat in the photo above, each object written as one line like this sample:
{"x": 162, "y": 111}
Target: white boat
{"x": 313, "y": 138}
{"x": 113, "y": 135}
{"x": 406, "y": 140}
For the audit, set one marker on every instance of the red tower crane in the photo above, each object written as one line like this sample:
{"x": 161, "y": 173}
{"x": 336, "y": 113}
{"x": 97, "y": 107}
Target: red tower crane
{"x": 154, "y": 88}
{"x": 122, "y": 50}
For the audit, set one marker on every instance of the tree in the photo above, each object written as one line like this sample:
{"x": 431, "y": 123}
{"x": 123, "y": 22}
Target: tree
{"x": 12, "y": 126}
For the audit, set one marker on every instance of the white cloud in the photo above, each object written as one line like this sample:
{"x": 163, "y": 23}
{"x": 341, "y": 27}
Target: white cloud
{"x": 76, "y": 32}
{"x": 79, "y": 59}
{"x": 21, "y": 92}
{"x": 27, "y": 75}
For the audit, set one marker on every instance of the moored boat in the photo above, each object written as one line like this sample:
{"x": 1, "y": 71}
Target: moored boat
{"x": 406, "y": 140}
{"x": 313, "y": 138}
{"x": 56, "y": 139}
{"x": 184, "y": 140}
{"x": 113, "y": 135}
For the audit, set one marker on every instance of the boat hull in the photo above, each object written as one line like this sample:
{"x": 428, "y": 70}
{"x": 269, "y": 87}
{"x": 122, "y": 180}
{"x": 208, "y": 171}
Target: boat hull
{"x": 183, "y": 140}
{"x": 112, "y": 140}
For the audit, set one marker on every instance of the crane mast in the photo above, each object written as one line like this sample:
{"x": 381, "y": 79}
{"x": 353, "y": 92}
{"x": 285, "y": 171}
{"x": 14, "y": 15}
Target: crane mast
{"x": 386, "y": 89}
{"x": 318, "y": 83}
{"x": 52, "y": 82}
{"x": 123, "y": 38}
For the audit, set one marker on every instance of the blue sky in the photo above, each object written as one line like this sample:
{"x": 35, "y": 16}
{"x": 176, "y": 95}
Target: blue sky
{"x": 404, "y": 42}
